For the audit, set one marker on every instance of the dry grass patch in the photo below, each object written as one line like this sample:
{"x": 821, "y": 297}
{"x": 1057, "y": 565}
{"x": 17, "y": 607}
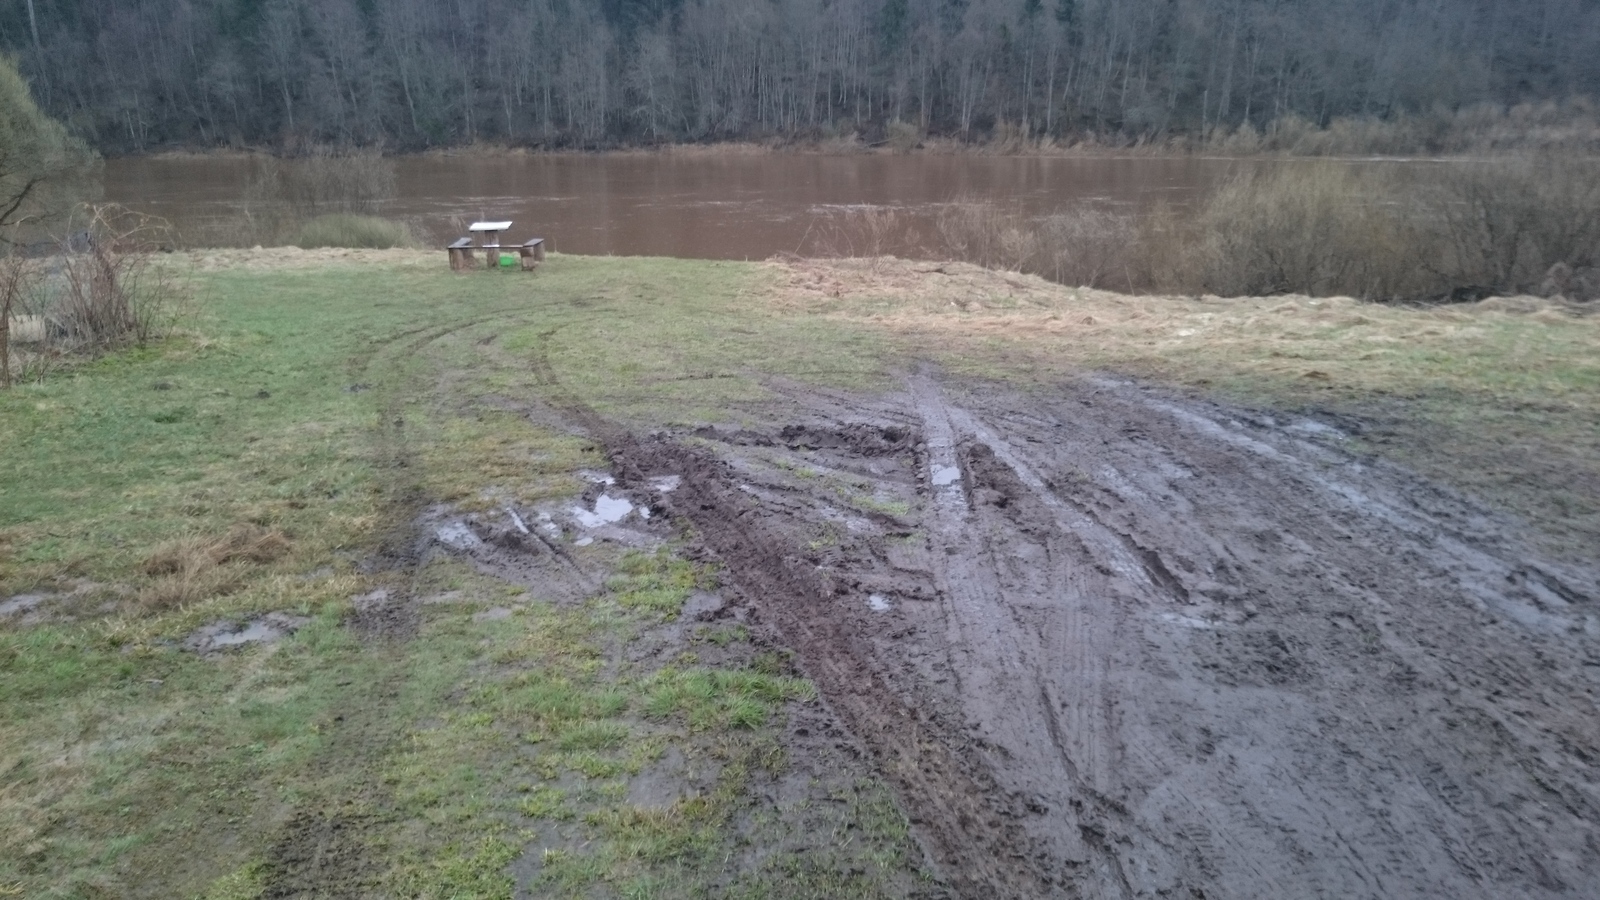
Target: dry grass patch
{"x": 196, "y": 568}
{"x": 1494, "y": 344}
{"x": 263, "y": 259}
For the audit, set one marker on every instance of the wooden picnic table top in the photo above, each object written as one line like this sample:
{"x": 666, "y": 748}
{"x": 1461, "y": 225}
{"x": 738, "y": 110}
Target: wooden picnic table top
{"x": 489, "y": 226}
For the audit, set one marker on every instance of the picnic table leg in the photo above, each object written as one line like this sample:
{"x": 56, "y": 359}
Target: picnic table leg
{"x": 532, "y": 254}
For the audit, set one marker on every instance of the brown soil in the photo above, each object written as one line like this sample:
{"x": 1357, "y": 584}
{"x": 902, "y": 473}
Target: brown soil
{"x": 1107, "y": 642}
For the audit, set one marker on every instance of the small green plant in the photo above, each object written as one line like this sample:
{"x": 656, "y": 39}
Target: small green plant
{"x": 593, "y": 736}
{"x": 655, "y": 582}
{"x": 722, "y": 637}
{"x": 546, "y": 802}
{"x": 898, "y": 509}
{"x": 716, "y": 698}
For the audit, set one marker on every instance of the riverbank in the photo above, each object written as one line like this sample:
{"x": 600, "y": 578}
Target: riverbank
{"x": 1571, "y": 127}
{"x": 350, "y": 588}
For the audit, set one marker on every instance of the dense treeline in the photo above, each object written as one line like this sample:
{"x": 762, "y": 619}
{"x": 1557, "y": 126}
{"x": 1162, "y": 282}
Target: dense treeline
{"x": 135, "y": 75}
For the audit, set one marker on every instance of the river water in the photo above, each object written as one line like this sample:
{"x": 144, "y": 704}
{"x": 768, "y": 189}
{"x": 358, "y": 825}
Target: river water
{"x": 699, "y": 206}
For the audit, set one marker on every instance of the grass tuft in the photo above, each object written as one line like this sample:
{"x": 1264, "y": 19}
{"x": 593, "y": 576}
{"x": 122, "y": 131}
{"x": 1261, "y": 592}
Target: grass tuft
{"x": 191, "y": 569}
{"x": 656, "y": 583}
{"x": 353, "y": 231}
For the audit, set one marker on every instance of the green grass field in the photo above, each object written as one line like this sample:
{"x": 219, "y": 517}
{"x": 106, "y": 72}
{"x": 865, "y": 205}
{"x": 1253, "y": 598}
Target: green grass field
{"x": 258, "y": 461}
{"x": 326, "y": 406}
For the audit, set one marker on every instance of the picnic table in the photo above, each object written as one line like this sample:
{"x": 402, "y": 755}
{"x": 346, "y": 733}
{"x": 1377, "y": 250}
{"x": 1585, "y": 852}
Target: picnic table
{"x": 530, "y": 252}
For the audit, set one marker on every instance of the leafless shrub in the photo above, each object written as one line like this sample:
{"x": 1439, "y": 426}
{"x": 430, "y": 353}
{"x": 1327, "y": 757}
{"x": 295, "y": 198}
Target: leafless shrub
{"x": 328, "y": 179}
{"x": 1464, "y": 231}
{"x": 1093, "y": 248}
{"x": 1315, "y": 228}
{"x": 988, "y": 234}
{"x": 1085, "y": 246}
{"x": 105, "y": 287}
{"x": 108, "y": 291}
{"x": 1570, "y": 126}
{"x": 1502, "y": 226}
{"x": 866, "y": 231}
{"x": 1008, "y": 137}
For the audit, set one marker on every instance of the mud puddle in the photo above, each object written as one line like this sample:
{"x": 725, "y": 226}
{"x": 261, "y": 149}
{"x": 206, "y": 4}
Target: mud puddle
{"x": 1110, "y": 643}
{"x": 228, "y": 635}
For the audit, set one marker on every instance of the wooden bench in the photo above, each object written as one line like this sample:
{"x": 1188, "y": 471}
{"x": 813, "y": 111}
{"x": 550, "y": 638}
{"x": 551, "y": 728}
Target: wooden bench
{"x": 532, "y": 253}
{"x": 460, "y": 254}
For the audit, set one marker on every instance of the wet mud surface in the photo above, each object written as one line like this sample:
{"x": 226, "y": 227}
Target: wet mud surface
{"x": 1108, "y": 642}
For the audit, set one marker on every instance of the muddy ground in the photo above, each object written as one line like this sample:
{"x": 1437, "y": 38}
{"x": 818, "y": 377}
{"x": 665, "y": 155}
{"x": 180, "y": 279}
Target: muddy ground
{"x": 1107, "y": 641}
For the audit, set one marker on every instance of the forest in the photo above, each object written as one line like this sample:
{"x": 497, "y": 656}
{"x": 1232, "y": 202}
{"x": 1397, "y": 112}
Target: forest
{"x": 137, "y": 76}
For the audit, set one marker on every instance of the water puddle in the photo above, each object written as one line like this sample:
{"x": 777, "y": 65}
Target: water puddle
{"x": 607, "y": 510}
{"x": 945, "y": 475}
{"x": 878, "y": 603}
{"x": 457, "y": 536}
{"x": 666, "y": 484}
{"x": 701, "y": 603}
{"x": 594, "y": 477}
{"x": 224, "y": 635}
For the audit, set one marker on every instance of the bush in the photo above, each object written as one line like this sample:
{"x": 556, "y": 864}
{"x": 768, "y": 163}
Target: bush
{"x": 347, "y": 230}
{"x": 106, "y": 287}
{"x": 1502, "y": 227}
{"x": 1312, "y": 228}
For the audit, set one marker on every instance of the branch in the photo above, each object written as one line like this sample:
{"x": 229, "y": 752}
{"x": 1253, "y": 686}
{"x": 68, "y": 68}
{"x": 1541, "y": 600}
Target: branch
{"x": 18, "y": 200}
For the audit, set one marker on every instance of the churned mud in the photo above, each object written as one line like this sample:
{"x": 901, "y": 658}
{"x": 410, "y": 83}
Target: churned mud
{"x": 1108, "y": 642}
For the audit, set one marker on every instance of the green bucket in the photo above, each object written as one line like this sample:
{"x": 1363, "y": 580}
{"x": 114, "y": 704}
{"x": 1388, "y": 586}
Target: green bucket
{"x": 507, "y": 260}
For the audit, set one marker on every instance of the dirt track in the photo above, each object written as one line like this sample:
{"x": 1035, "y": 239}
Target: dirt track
{"x": 1111, "y": 643}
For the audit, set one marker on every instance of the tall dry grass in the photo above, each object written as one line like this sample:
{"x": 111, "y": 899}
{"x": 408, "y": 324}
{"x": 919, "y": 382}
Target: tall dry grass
{"x": 1570, "y": 126}
{"x": 196, "y": 568}
{"x": 1463, "y": 231}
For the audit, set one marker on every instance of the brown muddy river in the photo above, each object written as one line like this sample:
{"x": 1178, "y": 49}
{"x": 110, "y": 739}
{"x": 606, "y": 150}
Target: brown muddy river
{"x": 710, "y": 207}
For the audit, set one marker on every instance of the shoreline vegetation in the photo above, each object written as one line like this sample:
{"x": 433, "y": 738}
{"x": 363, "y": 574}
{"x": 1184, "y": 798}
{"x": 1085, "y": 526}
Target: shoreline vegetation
{"x": 1566, "y": 127}
{"x": 1519, "y": 223}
